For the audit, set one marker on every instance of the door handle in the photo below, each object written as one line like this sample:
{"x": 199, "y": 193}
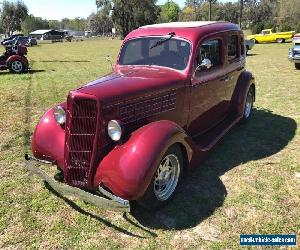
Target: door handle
{"x": 226, "y": 79}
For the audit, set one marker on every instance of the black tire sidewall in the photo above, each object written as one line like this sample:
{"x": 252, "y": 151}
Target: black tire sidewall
{"x": 149, "y": 199}
{"x": 297, "y": 66}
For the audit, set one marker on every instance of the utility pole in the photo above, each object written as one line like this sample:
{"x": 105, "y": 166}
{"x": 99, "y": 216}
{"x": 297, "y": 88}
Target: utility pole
{"x": 209, "y": 10}
{"x": 195, "y": 14}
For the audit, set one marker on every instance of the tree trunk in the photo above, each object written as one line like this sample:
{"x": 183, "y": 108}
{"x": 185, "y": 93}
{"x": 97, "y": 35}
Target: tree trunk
{"x": 241, "y": 12}
{"x": 209, "y": 11}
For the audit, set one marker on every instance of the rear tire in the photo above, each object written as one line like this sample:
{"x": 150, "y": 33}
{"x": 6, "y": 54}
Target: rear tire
{"x": 16, "y": 67}
{"x": 165, "y": 181}
{"x": 248, "y": 105}
{"x": 280, "y": 40}
{"x": 297, "y": 66}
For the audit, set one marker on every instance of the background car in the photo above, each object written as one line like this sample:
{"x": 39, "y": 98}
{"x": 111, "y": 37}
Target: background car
{"x": 249, "y": 45}
{"x": 11, "y": 38}
{"x": 267, "y": 36}
{"x": 26, "y": 41}
{"x": 294, "y": 52}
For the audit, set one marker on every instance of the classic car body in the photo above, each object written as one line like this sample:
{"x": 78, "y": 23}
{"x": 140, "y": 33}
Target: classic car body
{"x": 166, "y": 104}
{"x": 267, "y": 36}
{"x": 249, "y": 45}
{"x": 294, "y": 52}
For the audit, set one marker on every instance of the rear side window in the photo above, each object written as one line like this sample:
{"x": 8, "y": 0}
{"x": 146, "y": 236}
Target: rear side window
{"x": 211, "y": 50}
{"x": 242, "y": 46}
{"x": 233, "y": 47}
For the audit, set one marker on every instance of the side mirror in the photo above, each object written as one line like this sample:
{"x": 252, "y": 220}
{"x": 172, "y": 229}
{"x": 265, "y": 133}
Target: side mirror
{"x": 205, "y": 64}
{"x": 109, "y": 60}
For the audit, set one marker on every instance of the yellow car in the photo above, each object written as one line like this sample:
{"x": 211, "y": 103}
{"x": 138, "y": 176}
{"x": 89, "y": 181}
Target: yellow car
{"x": 267, "y": 36}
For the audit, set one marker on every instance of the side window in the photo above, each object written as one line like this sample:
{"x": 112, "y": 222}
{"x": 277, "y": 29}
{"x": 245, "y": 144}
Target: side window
{"x": 233, "y": 47}
{"x": 211, "y": 50}
{"x": 267, "y": 32}
{"x": 242, "y": 46}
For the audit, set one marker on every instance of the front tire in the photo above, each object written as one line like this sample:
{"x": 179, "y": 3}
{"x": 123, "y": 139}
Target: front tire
{"x": 280, "y": 40}
{"x": 165, "y": 180}
{"x": 297, "y": 66}
{"x": 248, "y": 107}
{"x": 16, "y": 66}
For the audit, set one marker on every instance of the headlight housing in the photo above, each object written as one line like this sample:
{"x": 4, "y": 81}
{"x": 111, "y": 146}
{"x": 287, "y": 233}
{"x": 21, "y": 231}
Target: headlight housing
{"x": 60, "y": 115}
{"x": 114, "y": 130}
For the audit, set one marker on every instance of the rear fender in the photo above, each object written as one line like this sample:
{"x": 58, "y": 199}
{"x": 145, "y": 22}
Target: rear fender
{"x": 23, "y": 59}
{"x": 48, "y": 139}
{"x": 245, "y": 81}
{"x": 128, "y": 169}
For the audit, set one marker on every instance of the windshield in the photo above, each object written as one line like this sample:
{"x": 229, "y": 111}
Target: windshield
{"x": 172, "y": 53}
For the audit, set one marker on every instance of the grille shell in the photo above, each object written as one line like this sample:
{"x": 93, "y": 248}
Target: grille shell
{"x": 81, "y": 134}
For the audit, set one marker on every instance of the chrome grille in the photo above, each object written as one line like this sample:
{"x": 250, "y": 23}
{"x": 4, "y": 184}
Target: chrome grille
{"x": 80, "y": 135}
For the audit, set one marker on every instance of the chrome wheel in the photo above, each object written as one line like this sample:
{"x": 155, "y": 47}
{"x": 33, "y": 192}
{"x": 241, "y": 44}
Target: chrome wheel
{"x": 248, "y": 104}
{"x": 17, "y": 66}
{"x": 166, "y": 177}
{"x": 279, "y": 40}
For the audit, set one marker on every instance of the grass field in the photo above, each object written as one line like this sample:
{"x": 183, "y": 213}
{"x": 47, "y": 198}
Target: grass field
{"x": 249, "y": 183}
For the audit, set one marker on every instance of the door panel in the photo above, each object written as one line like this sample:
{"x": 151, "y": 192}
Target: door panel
{"x": 207, "y": 90}
{"x": 207, "y": 104}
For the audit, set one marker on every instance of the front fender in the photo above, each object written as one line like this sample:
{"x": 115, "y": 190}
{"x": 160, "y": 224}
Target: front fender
{"x": 48, "y": 139}
{"x": 245, "y": 81}
{"x": 128, "y": 169}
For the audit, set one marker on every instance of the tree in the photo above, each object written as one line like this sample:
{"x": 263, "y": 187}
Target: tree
{"x": 12, "y": 15}
{"x": 210, "y": 2}
{"x": 100, "y": 23}
{"x": 195, "y": 5}
{"x": 169, "y": 12}
{"x": 228, "y": 12}
{"x": 32, "y": 23}
{"x": 128, "y": 15}
{"x": 187, "y": 14}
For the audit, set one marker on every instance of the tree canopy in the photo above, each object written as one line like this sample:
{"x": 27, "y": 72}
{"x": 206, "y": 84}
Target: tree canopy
{"x": 12, "y": 15}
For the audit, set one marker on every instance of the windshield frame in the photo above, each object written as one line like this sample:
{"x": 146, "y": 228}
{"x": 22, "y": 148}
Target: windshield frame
{"x": 154, "y": 65}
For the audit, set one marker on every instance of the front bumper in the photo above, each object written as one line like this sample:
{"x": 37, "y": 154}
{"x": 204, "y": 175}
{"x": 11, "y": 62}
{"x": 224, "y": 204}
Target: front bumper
{"x": 111, "y": 203}
{"x": 295, "y": 58}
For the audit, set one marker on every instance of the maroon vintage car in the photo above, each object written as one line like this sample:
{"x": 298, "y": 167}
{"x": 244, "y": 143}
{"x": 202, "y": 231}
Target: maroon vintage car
{"x": 175, "y": 91}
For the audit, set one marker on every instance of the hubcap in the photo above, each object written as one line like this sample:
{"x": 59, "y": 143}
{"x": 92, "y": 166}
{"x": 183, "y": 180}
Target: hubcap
{"x": 166, "y": 177}
{"x": 248, "y": 105}
{"x": 17, "y": 66}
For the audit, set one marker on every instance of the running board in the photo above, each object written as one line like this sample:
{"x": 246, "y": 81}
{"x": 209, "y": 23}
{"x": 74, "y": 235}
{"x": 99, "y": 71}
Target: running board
{"x": 209, "y": 139}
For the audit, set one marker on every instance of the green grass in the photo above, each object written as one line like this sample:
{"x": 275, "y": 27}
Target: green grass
{"x": 247, "y": 184}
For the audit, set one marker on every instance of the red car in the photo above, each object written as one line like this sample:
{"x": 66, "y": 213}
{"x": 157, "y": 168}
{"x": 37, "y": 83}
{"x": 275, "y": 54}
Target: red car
{"x": 175, "y": 91}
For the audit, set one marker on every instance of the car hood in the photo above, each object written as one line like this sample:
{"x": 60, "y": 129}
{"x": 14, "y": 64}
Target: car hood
{"x": 296, "y": 47}
{"x": 133, "y": 82}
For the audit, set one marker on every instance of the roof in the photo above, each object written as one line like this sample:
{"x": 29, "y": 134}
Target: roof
{"x": 192, "y": 31}
{"x": 181, "y": 24}
{"x": 40, "y": 32}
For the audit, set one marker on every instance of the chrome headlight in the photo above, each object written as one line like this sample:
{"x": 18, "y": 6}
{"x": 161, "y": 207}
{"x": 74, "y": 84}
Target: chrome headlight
{"x": 60, "y": 115}
{"x": 114, "y": 130}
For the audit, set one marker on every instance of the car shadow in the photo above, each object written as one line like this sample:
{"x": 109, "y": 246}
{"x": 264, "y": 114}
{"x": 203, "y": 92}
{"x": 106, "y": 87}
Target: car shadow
{"x": 202, "y": 191}
{"x": 102, "y": 220}
{"x": 30, "y": 71}
{"x": 64, "y": 61}
{"x": 251, "y": 54}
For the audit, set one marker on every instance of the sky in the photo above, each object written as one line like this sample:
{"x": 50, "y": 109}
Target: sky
{"x": 58, "y": 9}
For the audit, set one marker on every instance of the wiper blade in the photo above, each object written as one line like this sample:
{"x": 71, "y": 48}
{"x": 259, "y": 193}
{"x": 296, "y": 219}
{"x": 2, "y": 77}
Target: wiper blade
{"x": 160, "y": 42}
